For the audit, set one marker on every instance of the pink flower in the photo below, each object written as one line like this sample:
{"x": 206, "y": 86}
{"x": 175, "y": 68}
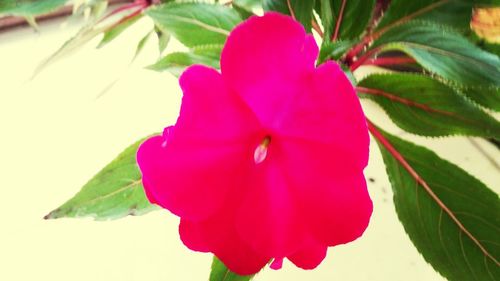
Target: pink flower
{"x": 266, "y": 159}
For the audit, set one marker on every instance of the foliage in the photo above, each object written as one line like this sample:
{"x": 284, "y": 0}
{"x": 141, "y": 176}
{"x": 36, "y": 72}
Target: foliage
{"x": 443, "y": 81}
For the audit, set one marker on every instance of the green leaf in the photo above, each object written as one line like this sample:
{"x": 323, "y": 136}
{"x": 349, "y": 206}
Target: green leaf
{"x": 488, "y": 97}
{"x": 333, "y": 50}
{"x": 177, "y": 62}
{"x": 424, "y": 106}
{"x": 451, "y": 217}
{"x": 195, "y": 24}
{"x": 248, "y": 4}
{"x": 221, "y": 273}
{"x": 141, "y": 44}
{"x": 456, "y": 13}
{"x": 116, "y": 191}
{"x": 82, "y": 37}
{"x": 163, "y": 39}
{"x": 29, "y": 7}
{"x": 444, "y": 52}
{"x": 245, "y": 7}
{"x": 354, "y": 18}
{"x": 242, "y": 11}
{"x": 117, "y": 29}
{"x": 302, "y": 10}
{"x": 325, "y": 12}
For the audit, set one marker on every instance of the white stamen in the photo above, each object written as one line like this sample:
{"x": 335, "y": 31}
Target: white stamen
{"x": 260, "y": 153}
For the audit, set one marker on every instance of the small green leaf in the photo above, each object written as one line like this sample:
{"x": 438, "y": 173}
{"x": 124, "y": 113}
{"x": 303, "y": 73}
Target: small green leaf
{"x": 451, "y": 217}
{"x": 325, "y": 12}
{"x": 29, "y": 7}
{"x": 302, "y": 10}
{"x": 177, "y": 62}
{"x": 195, "y": 24}
{"x": 141, "y": 44}
{"x": 424, "y": 106}
{"x": 333, "y": 50}
{"x": 444, "y": 52}
{"x": 117, "y": 29}
{"x": 82, "y": 37}
{"x": 163, "y": 39}
{"x": 221, "y": 273}
{"x": 116, "y": 191}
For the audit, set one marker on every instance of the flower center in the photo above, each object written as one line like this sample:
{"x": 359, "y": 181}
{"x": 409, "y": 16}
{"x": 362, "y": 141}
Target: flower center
{"x": 260, "y": 153}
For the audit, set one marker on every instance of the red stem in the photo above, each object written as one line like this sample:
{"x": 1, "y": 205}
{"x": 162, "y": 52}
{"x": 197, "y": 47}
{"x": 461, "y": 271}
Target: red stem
{"x": 316, "y": 27}
{"x": 393, "y": 151}
{"x": 408, "y": 102}
{"x": 339, "y": 21}
{"x": 123, "y": 8}
{"x": 362, "y": 59}
{"x": 372, "y": 36}
{"x": 389, "y": 61}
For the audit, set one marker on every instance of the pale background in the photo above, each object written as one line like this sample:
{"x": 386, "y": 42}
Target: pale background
{"x": 56, "y": 133}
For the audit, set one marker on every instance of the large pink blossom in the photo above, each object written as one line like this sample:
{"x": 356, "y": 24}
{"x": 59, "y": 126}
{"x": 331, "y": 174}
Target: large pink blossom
{"x": 266, "y": 158}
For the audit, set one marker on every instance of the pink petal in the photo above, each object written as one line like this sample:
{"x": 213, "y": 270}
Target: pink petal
{"x": 190, "y": 169}
{"x": 210, "y": 112}
{"x": 262, "y": 59}
{"x": 332, "y": 189}
{"x": 193, "y": 236}
{"x": 310, "y": 255}
{"x": 268, "y": 218}
{"x": 327, "y": 110}
{"x": 219, "y": 236}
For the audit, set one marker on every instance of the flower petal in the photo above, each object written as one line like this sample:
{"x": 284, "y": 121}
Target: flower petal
{"x": 262, "y": 59}
{"x": 310, "y": 255}
{"x": 219, "y": 236}
{"x": 332, "y": 189}
{"x": 191, "y": 181}
{"x": 190, "y": 169}
{"x": 268, "y": 218}
{"x": 328, "y": 110}
{"x": 209, "y": 111}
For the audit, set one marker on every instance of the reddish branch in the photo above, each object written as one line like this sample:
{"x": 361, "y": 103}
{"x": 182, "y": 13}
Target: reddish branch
{"x": 10, "y": 22}
{"x": 389, "y": 61}
{"x": 350, "y": 57}
{"x": 402, "y": 161}
{"x": 408, "y": 102}
{"x": 339, "y": 21}
{"x": 363, "y": 59}
{"x": 316, "y": 27}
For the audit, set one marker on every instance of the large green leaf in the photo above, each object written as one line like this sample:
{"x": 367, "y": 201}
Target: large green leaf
{"x": 354, "y": 17}
{"x": 195, "y": 24}
{"x": 221, "y": 273}
{"x": 446, "y": 53}
{"x": 452, "y": 218}
{"x": 116, "y": 191}
{"x": 456, "y": 13}
{"x": 302, "y": 10}
{"x": 29, "y": 7}
{"x": 177, "y": 62}
{"x": 424, "y": 106}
